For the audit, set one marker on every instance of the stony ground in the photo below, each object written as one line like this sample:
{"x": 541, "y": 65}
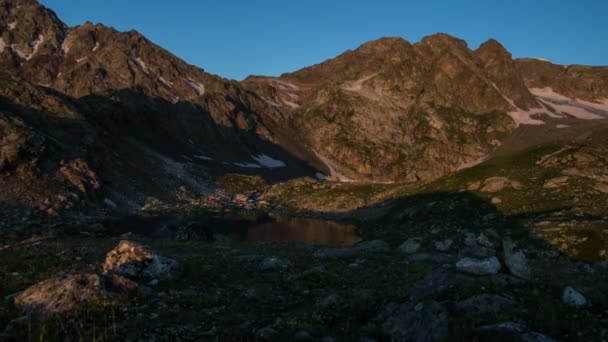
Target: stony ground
{"x": 508, "y": 250}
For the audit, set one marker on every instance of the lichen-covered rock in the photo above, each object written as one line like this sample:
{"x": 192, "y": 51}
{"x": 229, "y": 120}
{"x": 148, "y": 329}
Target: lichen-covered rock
{"x": 134, "y": 260}
{"x": 62, "y": 294}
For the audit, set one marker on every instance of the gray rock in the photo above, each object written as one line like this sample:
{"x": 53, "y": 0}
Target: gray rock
{"x": 273, "y": 263}
{"x": 571, "y": 297}
{"x": 478, "y": 252}
{"x": 134, "y": 260}
{"x": 536, "y": 337}
{"x": 515, "y": 260}
{"x": 470, "y": 240}
{"x": 484, "y": 306}
{"x": 413, "y": 322}
{"x": 479, "y": 266}
{"x": 410, "y": 246}
{"x": 444, "y": 245}
{"x": 483, "y": 240}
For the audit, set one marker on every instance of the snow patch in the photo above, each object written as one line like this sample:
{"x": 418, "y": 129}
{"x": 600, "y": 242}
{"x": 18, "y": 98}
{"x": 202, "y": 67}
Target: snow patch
{"x": 96, "y": 47}
{"x": 357, "y": 86}
{"x": 65, "y": 45}
{"x": 199, "y": 88}
{"x": 541, "y": 59}
{"x": 12, "y": 26}
{"x": 562, "y": 126}
{"x": 266, "y": 161}
{"x": 165, "y": 82}
{"x": 248, "y": 165}
{"x": 524, "y": 117}
{"x": 262, "y": 160}
{"x": 78, "y": 60}
{"x": 330, "y": 165}
{"x": 201, "y": 157}
{"x": 286, "y": 86}
{"x": 33, "y": 45}
{"x": 272, "y": 103}
{"x": 291, "y": 104}
{"x": 141, "y": 64}
{"x": 580, "y": 109}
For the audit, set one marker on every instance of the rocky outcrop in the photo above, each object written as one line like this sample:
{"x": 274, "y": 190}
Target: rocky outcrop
{"x": 134, "y": 260}
{"x": 68, "y": 293}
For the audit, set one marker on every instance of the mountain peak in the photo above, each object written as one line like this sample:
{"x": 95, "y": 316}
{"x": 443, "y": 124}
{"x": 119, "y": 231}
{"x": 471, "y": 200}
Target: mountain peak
{"x": 444, "y": 39}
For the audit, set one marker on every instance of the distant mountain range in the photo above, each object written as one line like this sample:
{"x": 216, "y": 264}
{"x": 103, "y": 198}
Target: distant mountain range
{"x": 91, "y": 115}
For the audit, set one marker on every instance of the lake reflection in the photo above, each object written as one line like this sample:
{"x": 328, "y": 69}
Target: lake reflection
{"x": 311, "y": 231}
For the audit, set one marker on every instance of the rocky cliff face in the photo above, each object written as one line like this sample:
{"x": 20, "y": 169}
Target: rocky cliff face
{"x": 142, "y": 120}
{"x": 97, "y": 112}
{"x": 574, "y": 81}
{"x": 392, "y": 110}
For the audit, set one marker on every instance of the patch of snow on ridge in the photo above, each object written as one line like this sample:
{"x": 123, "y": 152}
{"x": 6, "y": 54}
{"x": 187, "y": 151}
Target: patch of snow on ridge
{"x": 248, "y": 165}
{"x": 141, "y": 64}
{"x": 65, "y": 45}
{"x": 330, "y": 165}
{"x": 199, "y": 88}
{"x": 284, "y": 85}
{"x": 262, "y": 160}
{"x": 521, "y": 116}
{"x": 269, "y": 162}
{"x": 33, "y": 45}
{"x": 524, "y": 117}
{"x": 580, "y": 109}
{"x": 321, "y": 176}
{"x": 11, "y": 26}
{"x": 165, "y": 82}
{"x": 96, "y": 47}
{"x": 78, "y": 60}
{"x": 201, "y": 157}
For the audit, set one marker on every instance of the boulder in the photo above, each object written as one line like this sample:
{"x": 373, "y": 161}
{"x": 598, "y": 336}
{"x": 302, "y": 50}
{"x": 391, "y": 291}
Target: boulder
{"x": 61, "y": 294}
{"x": 515, "y": 260}
{"x": 273, "y": 263}
{"x": 495, "y": 184}
{"x": 134, "y": 260}
{"x": 410, "y": 246}
{"x": 479, "y": 266}
{"x": 572, "y": 297}
{"x": 68, "y": 293}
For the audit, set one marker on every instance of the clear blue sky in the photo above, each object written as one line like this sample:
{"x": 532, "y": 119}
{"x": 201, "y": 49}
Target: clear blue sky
{"x": 268, "y": 37}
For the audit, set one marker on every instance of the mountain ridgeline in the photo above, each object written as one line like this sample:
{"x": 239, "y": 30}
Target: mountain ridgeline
{"x": 88, "y": 113}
